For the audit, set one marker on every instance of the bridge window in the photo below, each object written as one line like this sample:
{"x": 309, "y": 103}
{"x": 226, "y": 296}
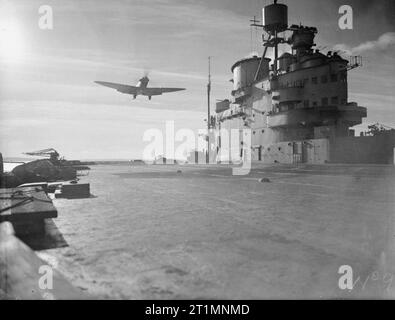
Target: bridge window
{"x": 306, "y": 103}
{"x": 333, "y": 77}
{"x": 324, "y": 79}
{"x": 314, "y": 80}
{"x": 335, "y": 101}
{"x": 324, "y": 101}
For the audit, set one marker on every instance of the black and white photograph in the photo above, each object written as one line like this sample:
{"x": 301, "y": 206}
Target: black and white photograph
{"x": 224, "y": 151}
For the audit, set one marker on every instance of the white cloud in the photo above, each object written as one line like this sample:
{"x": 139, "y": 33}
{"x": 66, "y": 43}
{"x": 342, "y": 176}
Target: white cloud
{"x": 384, "y": 42}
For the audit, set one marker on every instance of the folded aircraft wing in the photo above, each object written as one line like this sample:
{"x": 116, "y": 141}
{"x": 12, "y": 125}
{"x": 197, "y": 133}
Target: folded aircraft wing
{"x": 119, "y": 87}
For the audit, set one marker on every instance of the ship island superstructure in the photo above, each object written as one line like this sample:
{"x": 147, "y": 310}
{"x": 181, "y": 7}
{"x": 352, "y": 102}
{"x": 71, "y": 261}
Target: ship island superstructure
{"x": 296, "y": 105}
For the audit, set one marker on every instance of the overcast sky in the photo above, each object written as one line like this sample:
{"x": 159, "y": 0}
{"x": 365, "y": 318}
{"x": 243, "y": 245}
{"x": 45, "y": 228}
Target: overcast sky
{"x": 47, "y": 94}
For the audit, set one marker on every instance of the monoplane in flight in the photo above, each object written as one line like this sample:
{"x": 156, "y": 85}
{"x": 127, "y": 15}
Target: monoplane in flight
{"x": 140, "y": 88}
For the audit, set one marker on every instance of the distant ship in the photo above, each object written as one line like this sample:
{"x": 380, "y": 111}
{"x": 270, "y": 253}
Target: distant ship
{"x": 297, "y": 105}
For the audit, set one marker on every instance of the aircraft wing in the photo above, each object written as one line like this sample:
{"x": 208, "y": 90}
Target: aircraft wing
{"x": 119, "y": 87}
{"x": 164, "y": 90}
{"x": 158, "y": 91}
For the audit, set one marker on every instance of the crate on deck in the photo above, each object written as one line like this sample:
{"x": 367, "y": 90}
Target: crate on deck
{"x": 26, "y": 208}
{"x": 70, "y": 190}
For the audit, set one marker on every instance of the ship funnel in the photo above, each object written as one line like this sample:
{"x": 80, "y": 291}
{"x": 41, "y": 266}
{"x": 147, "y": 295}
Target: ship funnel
{"x": 302, "y": 38}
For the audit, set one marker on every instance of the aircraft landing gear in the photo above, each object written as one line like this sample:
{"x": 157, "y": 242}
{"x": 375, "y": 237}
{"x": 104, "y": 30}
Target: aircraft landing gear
{"x": 134, "y": 96}
{"x": 149, "y": 97}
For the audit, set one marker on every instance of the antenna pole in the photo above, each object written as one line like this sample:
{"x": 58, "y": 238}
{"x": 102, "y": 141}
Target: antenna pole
{"x": 208, "y": 110}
